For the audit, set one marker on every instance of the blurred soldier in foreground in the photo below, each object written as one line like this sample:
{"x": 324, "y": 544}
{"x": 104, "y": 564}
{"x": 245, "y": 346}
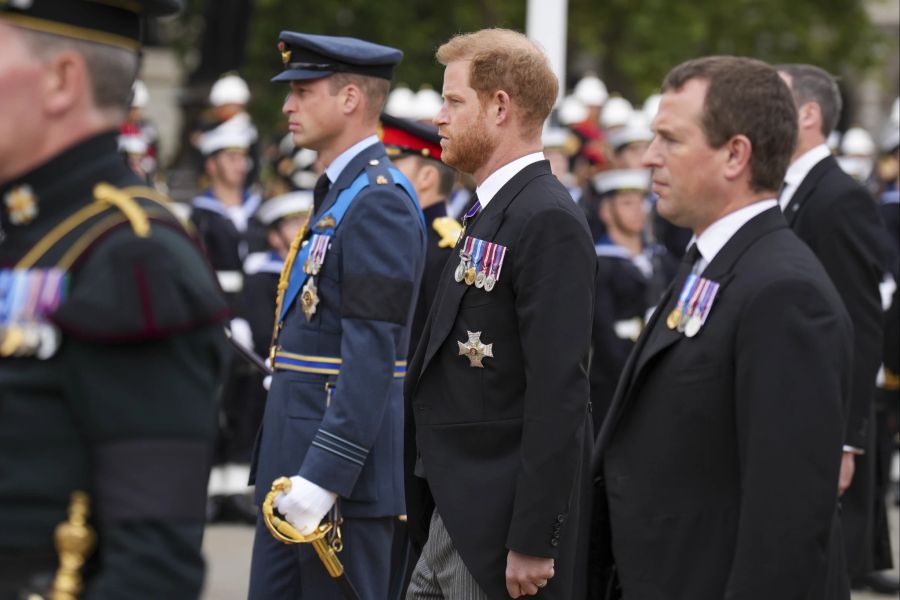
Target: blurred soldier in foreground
{"x": 110, "y": 332}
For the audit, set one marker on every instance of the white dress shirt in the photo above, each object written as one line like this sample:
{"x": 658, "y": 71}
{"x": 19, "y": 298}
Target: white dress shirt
{"x": 714, "y": 237}
{"x": 337, "y": 165}
{"x": 496, "y": 180}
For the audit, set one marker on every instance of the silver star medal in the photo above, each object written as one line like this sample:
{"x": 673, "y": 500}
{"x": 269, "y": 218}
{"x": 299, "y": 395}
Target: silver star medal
{"x": 475, "y": 351}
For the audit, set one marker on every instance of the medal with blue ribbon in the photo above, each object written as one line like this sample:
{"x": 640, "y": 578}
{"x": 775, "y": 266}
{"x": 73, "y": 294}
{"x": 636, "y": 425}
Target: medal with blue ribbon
{"x": 677, "y": 315}
{"x": 27, "y": 298}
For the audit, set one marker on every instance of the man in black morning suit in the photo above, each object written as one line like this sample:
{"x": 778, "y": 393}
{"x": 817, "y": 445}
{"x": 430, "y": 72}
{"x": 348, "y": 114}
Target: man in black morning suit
{"x": 498, "y": 386}
{"x": 721, "y": 451}
{"x": 838, "y": 219}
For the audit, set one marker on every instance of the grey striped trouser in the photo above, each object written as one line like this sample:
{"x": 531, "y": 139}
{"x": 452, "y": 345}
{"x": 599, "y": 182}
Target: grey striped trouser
{"x": 440, "y": 572}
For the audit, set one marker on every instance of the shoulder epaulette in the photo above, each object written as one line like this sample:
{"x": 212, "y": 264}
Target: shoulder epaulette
{"x": 105, "y": 193}
{"x": 112, "y": 207}
{"x": 379, "y": 172}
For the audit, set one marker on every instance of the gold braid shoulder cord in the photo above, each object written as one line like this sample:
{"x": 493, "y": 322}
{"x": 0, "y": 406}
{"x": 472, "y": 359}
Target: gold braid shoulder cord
{"x": 283, "y": 281}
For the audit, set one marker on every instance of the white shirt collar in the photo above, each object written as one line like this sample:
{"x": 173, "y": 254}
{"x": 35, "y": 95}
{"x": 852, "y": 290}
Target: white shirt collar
{"x": 337, "y": 165}
{"x": 714, "y": 237}
{"x": 496, "y": 180}
{"x": 798, "y": 171}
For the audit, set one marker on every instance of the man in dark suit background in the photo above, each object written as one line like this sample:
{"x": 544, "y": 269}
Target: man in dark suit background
{"x": 838, "y": 219}
{"x": 721, "y": 450}
{"x": 498, "y": 386}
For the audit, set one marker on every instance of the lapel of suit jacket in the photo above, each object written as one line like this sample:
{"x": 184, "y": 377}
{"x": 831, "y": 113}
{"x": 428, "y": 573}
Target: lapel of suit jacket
{"x": 657, "y": 337}
{"x": 349, "y": 174}
{"x": 807, "y": 187}
{"x": 450, "y": 293}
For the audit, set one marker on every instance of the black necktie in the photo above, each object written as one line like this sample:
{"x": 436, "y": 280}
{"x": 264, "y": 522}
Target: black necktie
{"x": 320, "y": 191}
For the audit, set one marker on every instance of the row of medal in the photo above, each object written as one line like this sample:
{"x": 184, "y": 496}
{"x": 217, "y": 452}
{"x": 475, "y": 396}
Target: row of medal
{"x": 309, "y": 296}
{"x": 27, "y": 298}
{"x": 480, "y": 263}
{"x": 694, "y": 303}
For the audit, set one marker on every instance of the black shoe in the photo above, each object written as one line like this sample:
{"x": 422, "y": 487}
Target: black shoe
{"x": 238, "y": 508}
{"x": 878, "y": 582}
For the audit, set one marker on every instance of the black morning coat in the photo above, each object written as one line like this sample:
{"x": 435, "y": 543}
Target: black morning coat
{"x": 506, "y": 448}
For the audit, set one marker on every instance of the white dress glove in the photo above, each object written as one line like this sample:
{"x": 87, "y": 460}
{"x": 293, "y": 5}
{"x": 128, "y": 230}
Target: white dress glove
{"x": 241, "y": 333}
{"x": 267, "y": 380}
{"x": 305, "y": 505}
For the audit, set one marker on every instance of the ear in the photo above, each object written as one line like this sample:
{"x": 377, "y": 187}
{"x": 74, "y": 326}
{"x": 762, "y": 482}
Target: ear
{"x": 351, "y": 98}
{"x": 65, "y": 80}
{"x": 737, "y": 161}
{"x": 500, "y": 107}
{"x": 427, "y": 177}
{"x": 809, "y": 116}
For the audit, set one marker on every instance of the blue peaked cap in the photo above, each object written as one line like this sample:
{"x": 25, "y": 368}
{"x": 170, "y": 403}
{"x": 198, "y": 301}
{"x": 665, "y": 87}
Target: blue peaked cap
{"x": 309, "y": 56}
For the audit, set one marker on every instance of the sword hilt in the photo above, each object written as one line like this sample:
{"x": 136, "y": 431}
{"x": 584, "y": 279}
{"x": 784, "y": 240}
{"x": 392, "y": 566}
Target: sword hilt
{"x": 286, "y": 533}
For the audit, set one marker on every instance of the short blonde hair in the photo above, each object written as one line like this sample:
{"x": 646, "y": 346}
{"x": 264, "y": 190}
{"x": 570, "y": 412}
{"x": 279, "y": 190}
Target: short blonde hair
{"x": 506, "y": 60}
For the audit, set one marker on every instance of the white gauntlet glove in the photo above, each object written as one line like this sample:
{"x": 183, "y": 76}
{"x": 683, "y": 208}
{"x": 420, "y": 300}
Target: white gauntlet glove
{"x": 305, "y": 505}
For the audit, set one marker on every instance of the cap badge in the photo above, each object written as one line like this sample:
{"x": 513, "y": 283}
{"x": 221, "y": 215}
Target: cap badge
{"x": 285, "y": 52}
{"x": 21, "y": 204}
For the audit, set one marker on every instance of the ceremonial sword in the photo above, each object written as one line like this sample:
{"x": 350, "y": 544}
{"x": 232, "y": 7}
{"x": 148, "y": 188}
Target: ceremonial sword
{"x": 286, "y": 533}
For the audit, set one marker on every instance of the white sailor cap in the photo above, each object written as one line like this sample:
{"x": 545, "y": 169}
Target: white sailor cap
{"x": 235, "y": 133}
{"x": 619, "y": 180}
{"x": 285, "y": 205}
{"x": 635, "y": 130}
{"x": 616, "y": 112}
{"x": 132, "y": 144}
{"x": 428, "y": 103}
{"x": 572, "y": 111}
{"x": 229, "y": 89}
{"x": 857, "y": 142}
{"x": 590, "y": 90}
{"x": 559, "y": 138}
{"x": 651, "y": 107}
{"x": 401, "y": 103}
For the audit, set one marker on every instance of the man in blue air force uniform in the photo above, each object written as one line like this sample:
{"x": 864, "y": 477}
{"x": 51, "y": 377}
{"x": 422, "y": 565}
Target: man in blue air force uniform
{"x": 333, "y": 418}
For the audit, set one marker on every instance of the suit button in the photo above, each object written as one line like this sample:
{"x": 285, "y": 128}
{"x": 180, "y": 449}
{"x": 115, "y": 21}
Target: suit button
{"x": 554, "y": 542}
{"x": 560, "y": 518}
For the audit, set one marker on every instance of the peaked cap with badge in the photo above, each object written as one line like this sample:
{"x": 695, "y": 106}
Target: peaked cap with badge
{"x": 111, "y": 352}
{"x": 310, "y": 56}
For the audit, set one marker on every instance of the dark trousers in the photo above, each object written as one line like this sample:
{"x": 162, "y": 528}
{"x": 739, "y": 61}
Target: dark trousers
{"x": 281, "y": 572}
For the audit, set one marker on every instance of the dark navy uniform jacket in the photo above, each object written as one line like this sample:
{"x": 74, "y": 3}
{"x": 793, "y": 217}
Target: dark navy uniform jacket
{"x": 349, "y": 440}
{"x": 627, "y": 288}
{"x": 228, "y": 241}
